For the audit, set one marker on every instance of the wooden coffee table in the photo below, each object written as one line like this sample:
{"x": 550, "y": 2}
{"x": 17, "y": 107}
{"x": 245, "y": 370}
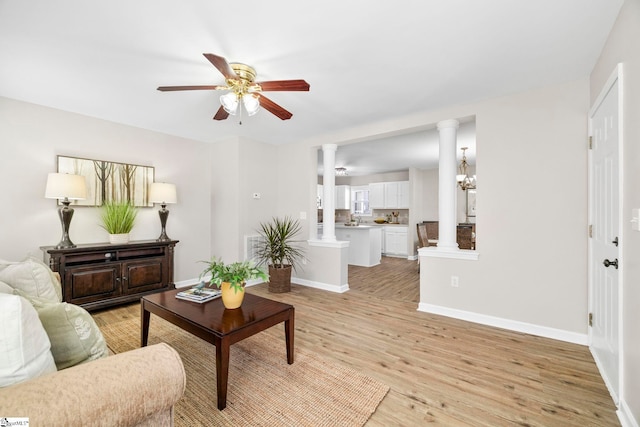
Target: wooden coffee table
{"x": 219, "y": 326}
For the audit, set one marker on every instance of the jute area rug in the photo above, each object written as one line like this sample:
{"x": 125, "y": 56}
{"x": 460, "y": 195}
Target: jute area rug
{"x": 263, "y": 389}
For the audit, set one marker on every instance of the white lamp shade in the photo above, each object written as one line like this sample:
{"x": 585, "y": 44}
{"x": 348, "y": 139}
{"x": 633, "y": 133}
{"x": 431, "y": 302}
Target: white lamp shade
{"x": 251, "y": 104}
{"x": 61, "y": 185}
{"x": 229, "y": 103}
{"x": 162, "y": 192}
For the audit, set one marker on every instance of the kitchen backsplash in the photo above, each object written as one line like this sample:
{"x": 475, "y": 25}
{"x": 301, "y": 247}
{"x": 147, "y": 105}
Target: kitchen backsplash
{"x": 344, "y": 215}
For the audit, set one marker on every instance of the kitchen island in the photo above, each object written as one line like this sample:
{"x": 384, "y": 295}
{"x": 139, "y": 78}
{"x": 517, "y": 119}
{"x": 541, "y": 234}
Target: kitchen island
{"x": 365, "y": 243}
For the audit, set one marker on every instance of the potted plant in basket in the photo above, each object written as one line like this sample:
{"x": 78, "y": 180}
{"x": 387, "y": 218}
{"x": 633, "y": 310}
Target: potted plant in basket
{"x": 118, "y": 218}
{"x": 280, "y": 251}
{"x": 231, "y": 278}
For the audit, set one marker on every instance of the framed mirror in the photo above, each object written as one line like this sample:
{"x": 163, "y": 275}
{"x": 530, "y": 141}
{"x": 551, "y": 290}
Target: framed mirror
{"x": 110, "y": 181}
{"x": 471, "y": 203}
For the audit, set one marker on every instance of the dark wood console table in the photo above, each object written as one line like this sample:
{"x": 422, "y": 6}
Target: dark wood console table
{"x": 101, "y": 274}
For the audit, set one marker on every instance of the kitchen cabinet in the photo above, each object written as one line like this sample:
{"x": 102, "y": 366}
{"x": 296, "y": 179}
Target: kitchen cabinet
{"x": 100, "y": 275}
{"x": 389, "y": 195}
{"x": 343, "y": 197}
{"x": 395, "y": 240}
{"x": 376, "y": 195}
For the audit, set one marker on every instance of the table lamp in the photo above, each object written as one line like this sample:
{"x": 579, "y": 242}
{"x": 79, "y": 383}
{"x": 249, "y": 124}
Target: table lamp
{"x": 65, "y": 187}
{"x": 163, "y": 193}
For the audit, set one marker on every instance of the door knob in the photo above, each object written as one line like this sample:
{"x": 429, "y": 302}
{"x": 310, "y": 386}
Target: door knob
{"x": 607, "y": 263}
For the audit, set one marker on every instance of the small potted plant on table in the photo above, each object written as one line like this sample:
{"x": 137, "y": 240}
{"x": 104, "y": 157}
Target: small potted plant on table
{"x": 280, "y": 251}
{"x": 231, "y": 279}
{"x": 118, "y": 218}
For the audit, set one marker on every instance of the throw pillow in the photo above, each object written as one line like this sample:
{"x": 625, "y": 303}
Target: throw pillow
{"x": 74, "y": 335}
{"x": 33, "y": 277}
{"x": 24, "y": 344}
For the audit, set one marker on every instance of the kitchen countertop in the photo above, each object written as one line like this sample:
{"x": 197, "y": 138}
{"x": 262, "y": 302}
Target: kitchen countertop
{"x": 365, "y": 225}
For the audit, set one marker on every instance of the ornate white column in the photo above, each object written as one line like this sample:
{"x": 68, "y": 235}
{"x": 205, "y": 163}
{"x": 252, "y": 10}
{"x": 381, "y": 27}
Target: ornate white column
{"x": 328, "y": 192}
{"x": 447, "y": 184}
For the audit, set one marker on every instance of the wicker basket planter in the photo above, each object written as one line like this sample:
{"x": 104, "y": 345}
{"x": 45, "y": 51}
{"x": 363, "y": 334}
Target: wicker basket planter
{"x": 280, "y": 279}
{"x": 278, "y": 248}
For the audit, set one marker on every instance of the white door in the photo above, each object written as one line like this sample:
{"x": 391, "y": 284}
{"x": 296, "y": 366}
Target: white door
{"x": 605, "y": 256}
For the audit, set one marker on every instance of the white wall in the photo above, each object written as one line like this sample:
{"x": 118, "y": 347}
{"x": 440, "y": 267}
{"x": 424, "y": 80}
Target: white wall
{"x": 532, "y": 218}
{"x": 622, "y": 48}
{"x": 532, "y": 231}
{"x": 32, "y": 136}
{"x": 240, "y": 168}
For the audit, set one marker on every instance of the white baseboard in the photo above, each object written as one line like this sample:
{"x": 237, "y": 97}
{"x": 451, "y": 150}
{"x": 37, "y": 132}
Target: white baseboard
{"x": 512, "y": 325}
{"x": 298, "y": 281}
{"x": 186, "y": 283}
{"x": 191, "y": 282}
{"x": 318, "y": 285}
{"x": 625, "y": 416}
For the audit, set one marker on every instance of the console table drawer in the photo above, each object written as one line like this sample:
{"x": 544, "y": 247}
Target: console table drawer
{"x": 89, "y": 257}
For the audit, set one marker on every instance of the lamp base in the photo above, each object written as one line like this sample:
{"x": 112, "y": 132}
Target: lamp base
{"x": 65, "y": 213}
{"x": 163, "y": 237}
{"x": 65, "y": 244}
{"x": 163, "y": 213}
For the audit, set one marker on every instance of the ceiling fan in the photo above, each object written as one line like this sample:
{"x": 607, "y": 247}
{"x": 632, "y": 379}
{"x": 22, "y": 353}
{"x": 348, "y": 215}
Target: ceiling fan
{"x": 244, "y": 90}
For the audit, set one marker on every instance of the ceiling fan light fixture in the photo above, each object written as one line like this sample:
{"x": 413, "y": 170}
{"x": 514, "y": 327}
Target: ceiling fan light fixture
{"x": 242, "y": 87}
{"x": 229, "y": 102}
{"x": 341, "y": 171}
{"x": 251, "y": 103}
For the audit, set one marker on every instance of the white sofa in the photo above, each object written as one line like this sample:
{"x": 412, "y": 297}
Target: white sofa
{"x": 54, "y": 368}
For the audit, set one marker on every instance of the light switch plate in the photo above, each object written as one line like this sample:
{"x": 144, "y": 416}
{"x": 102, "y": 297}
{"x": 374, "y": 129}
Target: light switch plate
{"x": 635, "y": 219}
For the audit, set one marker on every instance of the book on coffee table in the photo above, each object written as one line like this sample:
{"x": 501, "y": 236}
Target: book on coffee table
{"x": 199, "y": 295}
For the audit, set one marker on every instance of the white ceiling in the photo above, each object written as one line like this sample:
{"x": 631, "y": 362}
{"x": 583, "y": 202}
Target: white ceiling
{"x": 366, "y": 61}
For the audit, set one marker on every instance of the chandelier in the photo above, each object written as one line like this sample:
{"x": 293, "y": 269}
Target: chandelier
{"x": 465, "y": 181}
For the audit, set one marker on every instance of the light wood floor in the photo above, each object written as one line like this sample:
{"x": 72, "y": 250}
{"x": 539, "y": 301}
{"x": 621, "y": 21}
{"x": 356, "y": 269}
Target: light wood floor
{"x": 440, "y": 370}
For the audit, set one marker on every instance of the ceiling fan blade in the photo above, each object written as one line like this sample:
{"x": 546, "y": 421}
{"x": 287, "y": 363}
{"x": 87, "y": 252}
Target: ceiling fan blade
{"x": 282, "y": 85}
{"x": 221, "y": 114}
{"x": 172, "y": 88}
{"x": 274, "y": 108}
{"x": 222, "y": 65}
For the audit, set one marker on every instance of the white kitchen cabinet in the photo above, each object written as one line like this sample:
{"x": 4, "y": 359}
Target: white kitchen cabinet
{"x": 343, "y": 197}
{"x": 395, "y": 240}
{"x": 402, "y": 193}
{"x": 376, "y": 195}
{"x": 389, "y": 195}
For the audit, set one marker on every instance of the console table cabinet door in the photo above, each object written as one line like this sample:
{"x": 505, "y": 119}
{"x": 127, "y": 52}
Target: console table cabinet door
{"x": 144, "y": 275}
{"x": 91, "y": 283}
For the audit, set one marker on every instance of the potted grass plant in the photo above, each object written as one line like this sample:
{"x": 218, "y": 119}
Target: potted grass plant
{"x": 279, "y": 249}
{"x": 118, "y": 219}
{"x": 231, "y": 278}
